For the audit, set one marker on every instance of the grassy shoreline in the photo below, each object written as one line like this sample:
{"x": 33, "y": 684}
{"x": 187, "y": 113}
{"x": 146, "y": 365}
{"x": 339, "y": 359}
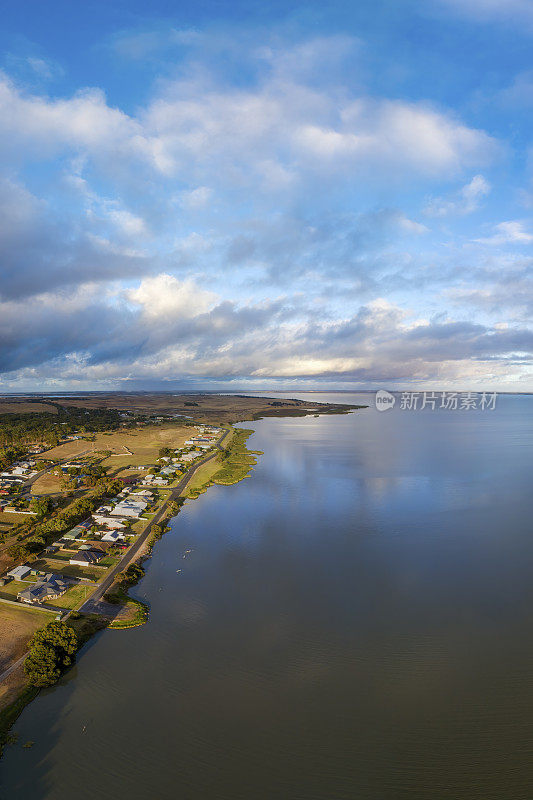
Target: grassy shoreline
{"x": 230, "y": 466}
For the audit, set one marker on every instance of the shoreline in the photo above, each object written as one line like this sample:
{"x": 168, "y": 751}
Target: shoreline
{"x": 91, "y": 621}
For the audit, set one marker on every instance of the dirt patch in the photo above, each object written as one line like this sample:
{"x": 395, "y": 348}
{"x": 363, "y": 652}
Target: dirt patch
{"x": 17, "y": 626}
{"x": 11, "y": 687}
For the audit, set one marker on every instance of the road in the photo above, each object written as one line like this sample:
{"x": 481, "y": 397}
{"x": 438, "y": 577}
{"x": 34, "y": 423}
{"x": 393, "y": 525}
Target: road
{"x": 90, "y": 604}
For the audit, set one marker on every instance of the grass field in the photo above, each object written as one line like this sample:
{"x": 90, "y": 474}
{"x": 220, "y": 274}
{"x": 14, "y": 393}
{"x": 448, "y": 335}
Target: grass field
{"x": 47, "y": 484}
{"x": 11, "y": 589}
{"x": 238, "y": 461}
{"x": 13, "y": 519}
{"x": 17, "y": 625}
{"x": 25, "y": 408}
{"x": 202, "y": 477}
{"x": 74, "y": 597}
{"x": 71, "y": 570}
{"x": 211, "y": 408}
{"x": 68, "y": 450}
{"x": 143, "y": 445}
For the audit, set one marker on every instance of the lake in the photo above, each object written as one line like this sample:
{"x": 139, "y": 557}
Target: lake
{"x": 354, "y": 622}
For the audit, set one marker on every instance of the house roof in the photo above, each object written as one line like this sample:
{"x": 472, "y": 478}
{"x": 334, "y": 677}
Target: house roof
{"x": 19, "y": 572}
{"x": 52, "y": 586}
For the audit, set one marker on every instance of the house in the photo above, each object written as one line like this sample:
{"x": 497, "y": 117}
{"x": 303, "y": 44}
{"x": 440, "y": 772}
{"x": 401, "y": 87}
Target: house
{"x": 130, "y": 508}
{"x": 74, "y": 533}
{"x": 5, "y": 580}
{"x": 49, "y": 588}
{"x": 19, "y": 573}
{"x": 114, "y": 536}
{"x": 143, "y": 494}
{"x": 109, "y": 522}
{"x": 84, "y": 558}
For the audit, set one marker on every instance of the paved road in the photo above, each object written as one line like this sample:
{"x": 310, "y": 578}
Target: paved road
{"x": 90, "y": 604}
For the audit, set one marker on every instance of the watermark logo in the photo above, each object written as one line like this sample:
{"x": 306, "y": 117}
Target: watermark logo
{"x": 445, "y": 401}
{"x": 384, "y": 400}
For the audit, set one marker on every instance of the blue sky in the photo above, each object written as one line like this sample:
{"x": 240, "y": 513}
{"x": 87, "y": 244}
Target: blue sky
{"x": 238, "y": 195}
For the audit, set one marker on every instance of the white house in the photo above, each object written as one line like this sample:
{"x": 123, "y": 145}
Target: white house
{"x": 130, "y": 508}
{"x": 109, "y": 522}
{"x": 114, "y": 536}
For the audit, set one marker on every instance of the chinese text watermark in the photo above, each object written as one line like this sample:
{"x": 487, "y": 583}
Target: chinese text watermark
{"x": 447, "y": 401}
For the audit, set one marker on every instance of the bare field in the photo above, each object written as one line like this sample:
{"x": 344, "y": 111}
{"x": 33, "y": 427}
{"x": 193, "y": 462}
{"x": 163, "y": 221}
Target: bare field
{"x": 17, "y": 626}
{"x": 11, "y": 687}
{"x": 47, "y": 484}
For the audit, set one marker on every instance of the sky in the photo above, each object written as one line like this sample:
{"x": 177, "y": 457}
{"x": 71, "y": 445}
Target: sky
{"x": 237, "y": 195}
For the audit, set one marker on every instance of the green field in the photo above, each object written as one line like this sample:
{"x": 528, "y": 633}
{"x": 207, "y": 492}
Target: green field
{"x": 74, "y": 597}
{"x": 71, "y": 570}
{"x": 11, "y": 589}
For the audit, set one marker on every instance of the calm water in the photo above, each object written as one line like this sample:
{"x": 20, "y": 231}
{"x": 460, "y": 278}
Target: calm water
{"x": 355, "y": 621}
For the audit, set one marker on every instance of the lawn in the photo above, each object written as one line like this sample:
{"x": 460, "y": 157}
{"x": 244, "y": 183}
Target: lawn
{"x": 71, "y": 570}
{"x": 74, "y": 597}
{"x": 108, "y": 561}
{"x": 13, "y": 519}
{"x": 202, "y": 476}
{"x": 17, "y": 625}
{"x": 11, "y": 589}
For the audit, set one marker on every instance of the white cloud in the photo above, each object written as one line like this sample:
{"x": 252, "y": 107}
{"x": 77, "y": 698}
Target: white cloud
{"x": 196, "y": 198}
{"x": 465, "y": 201}
{"x": 512, "y": 232}
{"x": 202, "y": 130}
{"x": 164, "y": 296}
{"x": 127, "y": 223}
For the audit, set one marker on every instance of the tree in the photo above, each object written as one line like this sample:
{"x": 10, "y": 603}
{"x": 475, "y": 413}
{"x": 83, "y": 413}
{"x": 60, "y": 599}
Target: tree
{"x": 58, "y": 635}
{"x": 52, "y": 649}
{"x": 41, "y": 505}
{"x": 41, "y": 666}
{"x": 165, "y": 451}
